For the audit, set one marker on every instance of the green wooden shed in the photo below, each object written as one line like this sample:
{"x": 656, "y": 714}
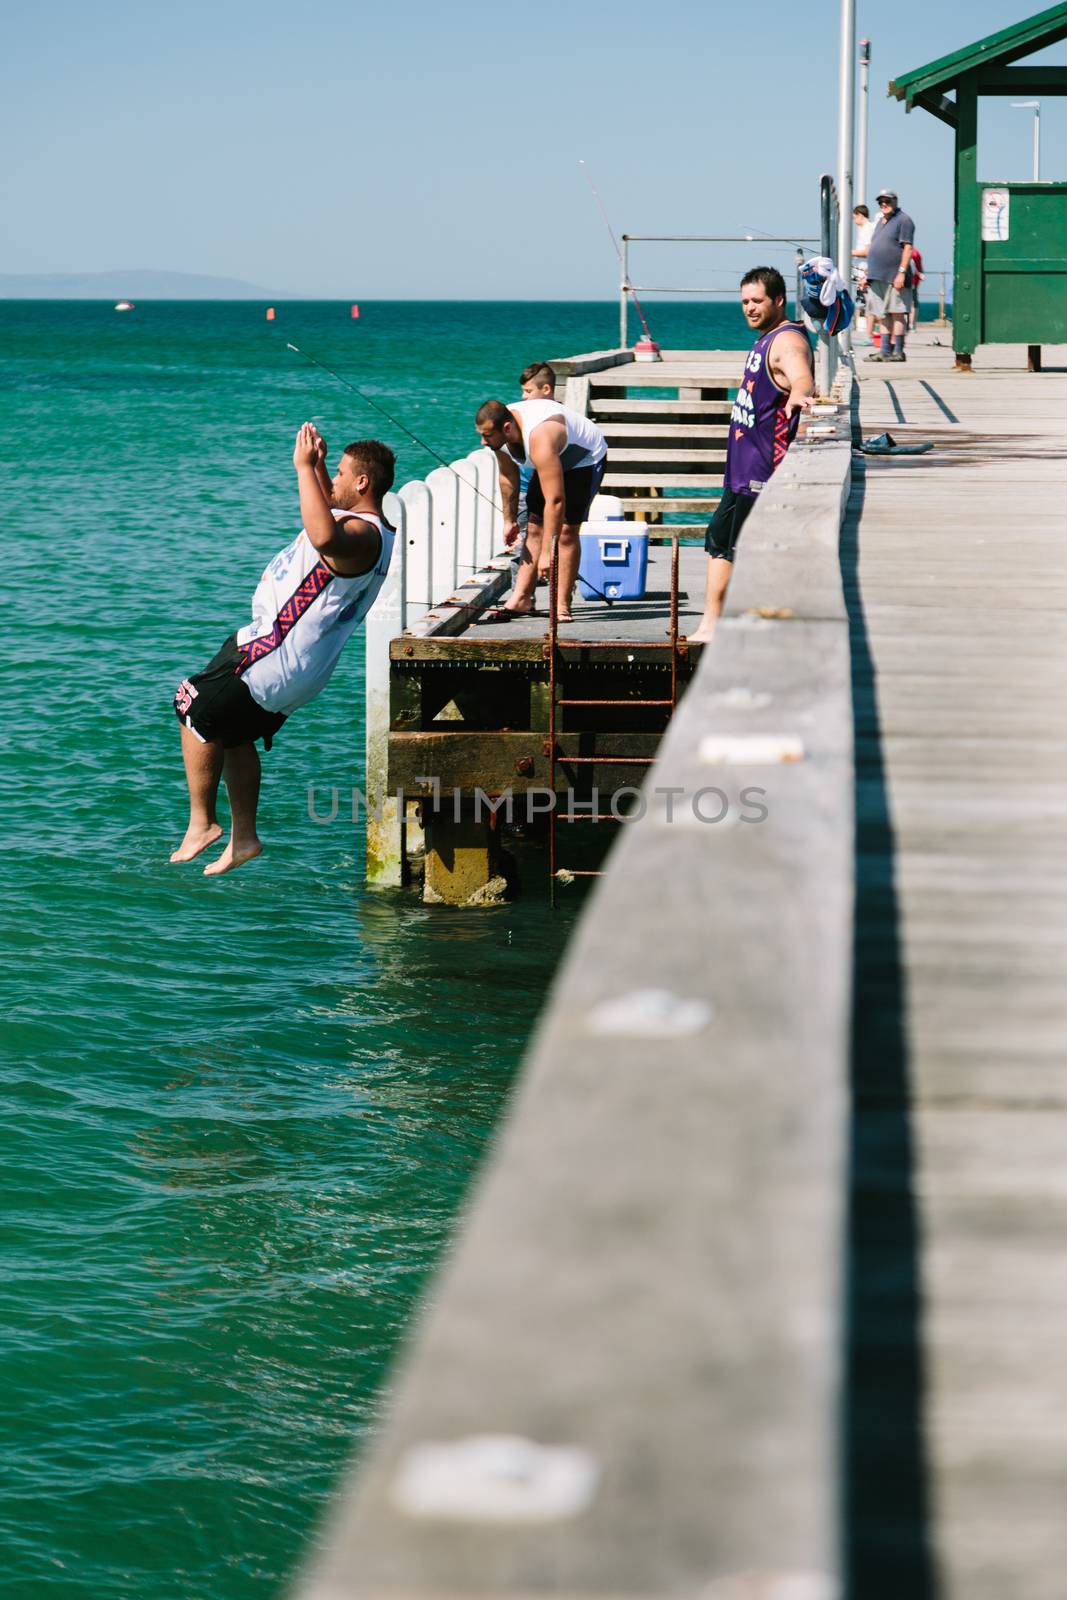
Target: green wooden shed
{"x": 1011, "y": 238}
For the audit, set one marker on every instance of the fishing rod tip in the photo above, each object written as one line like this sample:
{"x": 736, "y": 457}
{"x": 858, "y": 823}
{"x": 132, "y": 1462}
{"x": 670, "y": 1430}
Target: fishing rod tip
{"x": 289, "y": 346}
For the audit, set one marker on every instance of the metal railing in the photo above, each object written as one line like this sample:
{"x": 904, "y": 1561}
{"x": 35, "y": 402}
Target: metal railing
{"x": 942, "y": 295}
{"x": 627, "y": 287}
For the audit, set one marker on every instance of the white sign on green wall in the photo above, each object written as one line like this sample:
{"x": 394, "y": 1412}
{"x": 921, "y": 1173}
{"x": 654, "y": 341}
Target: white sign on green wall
{"x": 995, "y": 214}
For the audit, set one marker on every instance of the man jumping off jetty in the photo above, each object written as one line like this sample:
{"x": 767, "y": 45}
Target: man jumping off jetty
{"x": 568, "y": 453}
{"x": 776, "y": 386}
{"x": 310, "y": 600}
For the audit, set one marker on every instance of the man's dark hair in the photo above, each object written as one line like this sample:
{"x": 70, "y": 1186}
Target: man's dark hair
{"x": 861, "y": 211}
{"x": 494, "y": 411}
{"x": 770, "y": 278}
{"x": 538, "y": 372}
{"x": 377, "y": 461}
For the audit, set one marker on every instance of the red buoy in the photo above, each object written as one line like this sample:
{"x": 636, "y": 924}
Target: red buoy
{"x": 270, "y": 313}
{"x": 355, "y": 311}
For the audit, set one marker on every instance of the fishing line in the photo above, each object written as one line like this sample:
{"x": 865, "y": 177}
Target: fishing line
{"x": 414, "y": 436}
{"x": 430, "y": 451}
{"x": 793, "y": 244}
{"x": 618, "y": 247}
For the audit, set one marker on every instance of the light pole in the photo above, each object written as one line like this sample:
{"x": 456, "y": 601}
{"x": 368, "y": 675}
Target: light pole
{"x": 861, "y": 136}
{"x": 846, "y": 106}
{"x": 1035, "y": 107}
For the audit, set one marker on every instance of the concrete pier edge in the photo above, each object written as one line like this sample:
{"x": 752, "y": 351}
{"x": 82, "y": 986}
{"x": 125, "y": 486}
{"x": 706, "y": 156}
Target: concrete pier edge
{"x": 645, "y": 1294}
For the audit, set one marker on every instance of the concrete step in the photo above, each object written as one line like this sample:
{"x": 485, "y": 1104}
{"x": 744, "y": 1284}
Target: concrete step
{"x": 649, "y": 460}
{"x": 652, "y": 410}
{"x": 664, "y": 435}
{"x": 690, "y": 386}
{"x": 614, "y": 481}
{"x": 686, "y": 506}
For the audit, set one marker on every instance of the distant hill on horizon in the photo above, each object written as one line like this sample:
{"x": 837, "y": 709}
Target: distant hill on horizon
{"x": 139, "y": 283}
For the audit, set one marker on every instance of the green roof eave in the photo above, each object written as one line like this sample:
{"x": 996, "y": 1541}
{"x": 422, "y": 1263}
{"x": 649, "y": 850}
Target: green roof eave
{"x": 1021, "y": 39}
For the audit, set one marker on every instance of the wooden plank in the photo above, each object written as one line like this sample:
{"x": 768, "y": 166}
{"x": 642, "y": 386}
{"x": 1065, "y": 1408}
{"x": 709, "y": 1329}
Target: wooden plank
{"x": 654, "y": 433}
{"x": 593, "y": 361}
{"x": 962, "y": 946}
{"x": 659, "y": 408}
{"x": 660, "y": 480}
{"x": 669, "y": 457}
{"x": 710, "y": 386}
{"x": 683, "y": 505}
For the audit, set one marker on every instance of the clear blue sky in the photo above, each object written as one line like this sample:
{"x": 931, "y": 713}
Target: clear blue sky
{"x": 409, "y": 150}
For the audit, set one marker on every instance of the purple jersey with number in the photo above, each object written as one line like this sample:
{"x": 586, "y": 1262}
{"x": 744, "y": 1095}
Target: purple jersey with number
{"x": 760, "y": 431}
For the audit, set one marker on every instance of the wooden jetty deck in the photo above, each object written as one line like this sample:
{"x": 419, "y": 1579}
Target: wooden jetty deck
{"x": 762, "y": 1296}
{"x": 956, "y": 573}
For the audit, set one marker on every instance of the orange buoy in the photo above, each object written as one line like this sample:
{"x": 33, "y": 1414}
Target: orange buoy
{"x": 355, "y": 311}
{"x": 270, "y": 313}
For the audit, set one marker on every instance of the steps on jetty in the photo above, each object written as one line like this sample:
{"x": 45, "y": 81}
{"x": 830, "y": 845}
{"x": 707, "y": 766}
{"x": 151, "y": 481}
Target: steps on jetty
{"x": 665, "y": 447}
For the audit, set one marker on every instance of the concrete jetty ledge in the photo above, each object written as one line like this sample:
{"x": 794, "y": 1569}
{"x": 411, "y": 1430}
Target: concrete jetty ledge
{"x": 646, "y": 1295}
{"x": 761, "y": 1295}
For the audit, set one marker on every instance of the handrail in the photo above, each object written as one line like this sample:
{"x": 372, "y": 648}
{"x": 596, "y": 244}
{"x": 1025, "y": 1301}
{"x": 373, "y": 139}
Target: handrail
{"x": 719, "y": 238}
{"x": 628, "y": 287}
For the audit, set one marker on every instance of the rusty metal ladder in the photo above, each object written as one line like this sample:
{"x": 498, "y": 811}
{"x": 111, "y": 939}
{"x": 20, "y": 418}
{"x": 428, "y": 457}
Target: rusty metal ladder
{"x": 557, "y": 703}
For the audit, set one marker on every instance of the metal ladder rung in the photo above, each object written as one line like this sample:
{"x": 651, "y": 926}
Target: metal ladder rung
{"x": 614, "y": 702}
{"x": 605, "y": 761}
{"x": 615, "y": 644}
{"x": 556, "y": 650}
{"x": 599, "y": 816}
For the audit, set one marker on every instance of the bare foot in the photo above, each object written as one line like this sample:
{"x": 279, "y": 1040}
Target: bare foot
{"x": 703, "y": 634}
{"x": 196, "y": 839}
{"x": 231, "y": 858}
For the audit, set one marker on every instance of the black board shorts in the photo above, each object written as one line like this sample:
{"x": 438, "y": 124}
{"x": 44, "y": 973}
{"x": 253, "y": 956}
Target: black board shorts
{"x": 580, "y": 484}
{"x": 216, "y": 705}
{"x": 725, "y": 526}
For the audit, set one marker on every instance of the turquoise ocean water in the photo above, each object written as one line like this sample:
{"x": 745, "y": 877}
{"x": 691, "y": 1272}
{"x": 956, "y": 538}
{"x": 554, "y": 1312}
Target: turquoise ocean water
{"x": 237, "y": 1116}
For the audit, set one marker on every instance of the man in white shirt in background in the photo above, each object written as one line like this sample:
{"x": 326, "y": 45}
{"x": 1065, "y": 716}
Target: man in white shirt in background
{"x": 861, "y": 219}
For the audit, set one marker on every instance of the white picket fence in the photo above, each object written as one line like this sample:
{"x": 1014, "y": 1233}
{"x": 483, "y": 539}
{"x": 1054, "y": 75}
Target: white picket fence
{"x": 449, "y": 526}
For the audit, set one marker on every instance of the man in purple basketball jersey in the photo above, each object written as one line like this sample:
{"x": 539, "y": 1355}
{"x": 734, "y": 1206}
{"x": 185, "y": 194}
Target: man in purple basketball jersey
{"x": 776, "y": 386}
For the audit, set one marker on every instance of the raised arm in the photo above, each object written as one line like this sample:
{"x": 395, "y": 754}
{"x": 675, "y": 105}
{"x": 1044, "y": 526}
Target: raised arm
{"x": 350, "y": 545}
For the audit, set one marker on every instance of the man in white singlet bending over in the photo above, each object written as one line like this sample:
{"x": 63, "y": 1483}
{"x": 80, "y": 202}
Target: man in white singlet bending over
{"x": 309, "y": 602}
{"x": 568, "y": 454}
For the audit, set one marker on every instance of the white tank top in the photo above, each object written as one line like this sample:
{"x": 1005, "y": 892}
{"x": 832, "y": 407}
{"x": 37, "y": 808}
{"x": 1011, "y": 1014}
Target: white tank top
{"x": 585, "y": 445}
{"x": 302, "y": 616}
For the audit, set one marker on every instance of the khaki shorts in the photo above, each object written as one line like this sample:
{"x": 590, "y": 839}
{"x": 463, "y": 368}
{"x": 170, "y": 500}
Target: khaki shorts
{"x": 883, "y": 300}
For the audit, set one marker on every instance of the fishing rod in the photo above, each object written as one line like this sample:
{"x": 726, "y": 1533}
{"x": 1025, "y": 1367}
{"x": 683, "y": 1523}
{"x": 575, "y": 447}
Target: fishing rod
{"x": 430, "y": 451}
{"x": 618, "y": 248}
